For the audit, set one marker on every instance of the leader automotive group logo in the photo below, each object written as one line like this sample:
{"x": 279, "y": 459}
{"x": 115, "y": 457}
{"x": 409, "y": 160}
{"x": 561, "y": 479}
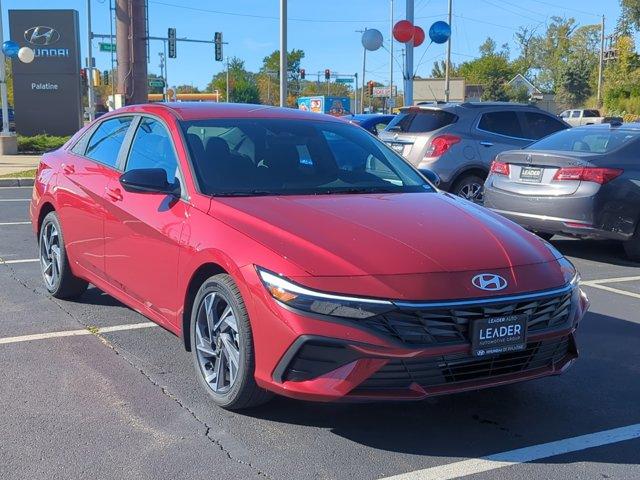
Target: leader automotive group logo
{"x": 41, "y": 36}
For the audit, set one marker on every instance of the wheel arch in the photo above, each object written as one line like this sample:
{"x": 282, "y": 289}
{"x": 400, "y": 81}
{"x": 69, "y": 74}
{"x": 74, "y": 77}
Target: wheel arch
{"x": 45, "y": 209}
{"x": 479, "y": 170}
{"x": 198, "y": 277}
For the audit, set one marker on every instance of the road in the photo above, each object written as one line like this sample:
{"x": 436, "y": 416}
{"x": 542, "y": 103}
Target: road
{"x": 91, "y": 389}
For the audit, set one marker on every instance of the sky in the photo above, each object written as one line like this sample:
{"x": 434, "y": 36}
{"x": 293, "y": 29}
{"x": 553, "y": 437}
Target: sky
{"x": 326, "y": 30}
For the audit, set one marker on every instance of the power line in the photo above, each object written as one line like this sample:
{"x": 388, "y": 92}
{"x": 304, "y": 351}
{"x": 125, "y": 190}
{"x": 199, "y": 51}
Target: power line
{"x": 512, "y": 11}
{"x": 549, "y": 4}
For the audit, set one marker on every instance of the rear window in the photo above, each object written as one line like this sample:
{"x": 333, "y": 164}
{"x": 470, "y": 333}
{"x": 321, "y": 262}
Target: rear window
{"x": 421, "y": 121}
{"x": 591, "y": 113}
{"x": 586, "y": 140}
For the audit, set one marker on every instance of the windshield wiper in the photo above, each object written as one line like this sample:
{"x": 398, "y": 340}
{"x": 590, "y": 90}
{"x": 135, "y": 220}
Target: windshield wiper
{"x": 357, "y": 190}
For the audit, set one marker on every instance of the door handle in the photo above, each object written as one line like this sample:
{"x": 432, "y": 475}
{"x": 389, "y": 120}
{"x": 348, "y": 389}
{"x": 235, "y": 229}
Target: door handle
{"x": 486, "y": 144}
{"x": 69, "y": 169}
{"x": 114, "y": 194}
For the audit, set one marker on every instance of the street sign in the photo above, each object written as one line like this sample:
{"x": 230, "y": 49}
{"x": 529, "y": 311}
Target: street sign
{"x": 384, "y": 91}
{"x": 156, "y": 83}
{"x": 391, "y": 102}
{"x": 344, "y": 80}
{"x": 107, "y": 47}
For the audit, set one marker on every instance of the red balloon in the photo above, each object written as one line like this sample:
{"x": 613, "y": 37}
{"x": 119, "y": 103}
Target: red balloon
{"x": 418, "y": 36}
{"x": 403, "y": 31}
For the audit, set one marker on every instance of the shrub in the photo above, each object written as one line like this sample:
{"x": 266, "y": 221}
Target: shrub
{"x": 40, "y": 143}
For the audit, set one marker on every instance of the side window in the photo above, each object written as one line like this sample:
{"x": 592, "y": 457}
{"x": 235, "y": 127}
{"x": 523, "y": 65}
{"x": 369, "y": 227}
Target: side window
{"x": 106, "y": 141}
{"x": 575, "y": 114}
{"x": 539, "y": 125}
{"x": 501, "y": 123}
{"x": 565, "y": 114}
{"x": 152, "y": 148}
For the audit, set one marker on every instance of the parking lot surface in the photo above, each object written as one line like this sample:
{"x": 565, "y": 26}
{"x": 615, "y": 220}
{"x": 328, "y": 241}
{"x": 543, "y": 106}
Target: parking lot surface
{"x": 90, "y": 389}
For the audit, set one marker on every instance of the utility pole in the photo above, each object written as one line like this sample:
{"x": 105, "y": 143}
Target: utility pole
{"x": 90, "y": 99}
{"x": 601, "y": 64}
{"x": 227, "y": 79}
{"x": 447, "y": 69}
{"x": 355, "y": 95}
{"x": 364, "y": 66}
{"x": 390, "y": 58}
{"x": 3, "y": 88}
{"x": 113, "y": 70}
{"x": 283, "y": 53}
{"x": 131, "y": 50}
{"x": 408, "y": 64}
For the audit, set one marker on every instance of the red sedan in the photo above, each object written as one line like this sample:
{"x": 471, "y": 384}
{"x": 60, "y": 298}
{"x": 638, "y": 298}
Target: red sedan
{"x": 296, "y": 254}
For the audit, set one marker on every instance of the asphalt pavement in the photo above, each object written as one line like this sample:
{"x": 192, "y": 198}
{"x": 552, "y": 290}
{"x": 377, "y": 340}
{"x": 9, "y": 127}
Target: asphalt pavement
{"x": 91, "y": 389}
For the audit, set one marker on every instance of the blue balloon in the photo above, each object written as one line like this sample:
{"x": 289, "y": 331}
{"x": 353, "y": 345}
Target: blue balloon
{"x": 10, "y": 48}
{"x": 440, "y": 32}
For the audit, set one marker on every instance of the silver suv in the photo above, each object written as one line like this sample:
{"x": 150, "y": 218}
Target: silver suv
{"x": 459, "y": 141}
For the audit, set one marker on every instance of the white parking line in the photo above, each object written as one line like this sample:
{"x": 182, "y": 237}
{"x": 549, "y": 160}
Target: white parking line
{"x": 24, "y": 260}
{"x": 522, "y": 455}
{"x": 7, "y": 224}
{"x": 15, "y": 199}
{"x": 609, "y": 280}
{"x": 613, "y": 290}
{"x": 75, "y": 333}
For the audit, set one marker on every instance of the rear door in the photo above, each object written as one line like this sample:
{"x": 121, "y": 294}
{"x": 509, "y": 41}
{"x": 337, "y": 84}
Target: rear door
{"x": 81, "y": 187}
{"x": 411, "y": 131}
{"x": 142, "y": 230}
{"x": 498, "y": 131}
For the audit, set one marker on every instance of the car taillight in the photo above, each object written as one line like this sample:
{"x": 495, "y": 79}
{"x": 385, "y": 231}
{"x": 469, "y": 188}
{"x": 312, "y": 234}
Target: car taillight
{"x": 500, "y": 168}
{"x": 587, "y": 174}
{"x": 441, "y": 144}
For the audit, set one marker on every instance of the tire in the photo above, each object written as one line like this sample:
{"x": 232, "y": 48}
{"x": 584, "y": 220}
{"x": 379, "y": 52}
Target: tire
{"x": 58, "y": 279}
{"x": 632, "y": 246}
{"x": 213, "y": 354}
{"x": 470, "y": 187}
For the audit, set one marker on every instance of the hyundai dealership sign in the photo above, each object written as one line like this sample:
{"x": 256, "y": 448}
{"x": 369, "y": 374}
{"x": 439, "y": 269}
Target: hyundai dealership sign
{"x": 47, "y": 92}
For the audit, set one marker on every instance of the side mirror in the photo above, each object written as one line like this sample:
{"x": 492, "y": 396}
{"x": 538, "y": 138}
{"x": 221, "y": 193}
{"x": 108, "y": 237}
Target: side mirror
{"x": 432, "y": 176}
{"x": 149, "y": 180}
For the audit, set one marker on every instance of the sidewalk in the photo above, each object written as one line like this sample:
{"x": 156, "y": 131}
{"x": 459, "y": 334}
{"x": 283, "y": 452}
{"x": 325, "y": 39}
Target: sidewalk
{"x": 17, "y": 163}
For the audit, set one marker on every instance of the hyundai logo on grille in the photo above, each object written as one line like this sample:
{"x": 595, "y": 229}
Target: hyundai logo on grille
{"x": 489, "y": 281}
{"x": 41, "y": 35}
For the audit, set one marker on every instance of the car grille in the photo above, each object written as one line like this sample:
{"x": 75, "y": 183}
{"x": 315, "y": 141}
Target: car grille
{"x": 456, "y": 368}
{"x": 431, "y": 326}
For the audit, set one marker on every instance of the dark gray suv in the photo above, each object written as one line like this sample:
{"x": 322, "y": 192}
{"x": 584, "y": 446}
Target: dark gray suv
{"x": 459, "y": 141}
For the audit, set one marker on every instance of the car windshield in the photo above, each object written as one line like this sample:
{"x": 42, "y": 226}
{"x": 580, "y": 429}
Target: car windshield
{"x": 239, "y": 157}
{"x": 589, "y": 139}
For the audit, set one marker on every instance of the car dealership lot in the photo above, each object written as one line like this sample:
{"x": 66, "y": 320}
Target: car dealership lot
{"x": 114, "y": 395}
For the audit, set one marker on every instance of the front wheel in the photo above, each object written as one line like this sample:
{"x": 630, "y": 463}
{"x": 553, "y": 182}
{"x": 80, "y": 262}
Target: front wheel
{"x": 54, "y": 264}
{"x": 222, "y": 346}
{"x": 470, "y": 187}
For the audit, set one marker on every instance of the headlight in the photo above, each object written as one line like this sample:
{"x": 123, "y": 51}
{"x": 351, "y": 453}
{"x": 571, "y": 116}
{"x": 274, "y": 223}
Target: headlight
{"x": 569, "y": 272}
{"x": 301, "y": 298}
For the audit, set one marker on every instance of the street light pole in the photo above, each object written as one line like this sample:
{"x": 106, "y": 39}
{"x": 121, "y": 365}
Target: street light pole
{"x": 227, "y": 79}
{"x": 364, "y": 67}
{"x": 3, "y": 85}
{"x": 408, "y": 64}
{"x": 283, "y": 53}
{"x": 448, "y": 65}
{"x": 90, "y": 99}
{"x": 390, "y": 58}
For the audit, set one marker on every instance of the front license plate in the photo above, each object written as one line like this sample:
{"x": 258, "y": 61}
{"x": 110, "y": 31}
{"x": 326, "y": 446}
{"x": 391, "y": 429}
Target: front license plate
{"x": 498, "y": 335}
{"x": 531, "y": 174}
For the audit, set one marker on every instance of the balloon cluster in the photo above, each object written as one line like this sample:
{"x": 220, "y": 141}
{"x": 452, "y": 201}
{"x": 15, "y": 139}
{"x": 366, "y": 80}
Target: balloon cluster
{"x": 404, "y": 31}
{"x": 12, "y": 50}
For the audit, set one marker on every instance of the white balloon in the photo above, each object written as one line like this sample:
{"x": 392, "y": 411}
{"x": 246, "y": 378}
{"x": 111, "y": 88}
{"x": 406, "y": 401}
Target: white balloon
{"x": 372, "y": 39}
{"x": 26, "y": 55}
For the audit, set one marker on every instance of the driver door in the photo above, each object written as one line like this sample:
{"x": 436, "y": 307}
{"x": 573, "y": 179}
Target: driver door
{"x": 143, "y": 230}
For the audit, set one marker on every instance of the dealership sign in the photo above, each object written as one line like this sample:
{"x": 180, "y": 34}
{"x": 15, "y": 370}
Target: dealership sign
{"x": 47, "y": 91}
{"x": 384, "y": 91}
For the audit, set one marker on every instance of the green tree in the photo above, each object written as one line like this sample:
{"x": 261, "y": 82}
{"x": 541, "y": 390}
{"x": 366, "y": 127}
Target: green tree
{"x": 187, "y": 89}
{"x": 630, "y": 15}
{"x": 440, "y": 67}
{"x": 242, "y": 84}
{"x": 269, "y": 77}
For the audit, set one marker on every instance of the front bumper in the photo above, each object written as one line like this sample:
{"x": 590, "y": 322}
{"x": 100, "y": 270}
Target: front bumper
{"x": 324, "y": 359}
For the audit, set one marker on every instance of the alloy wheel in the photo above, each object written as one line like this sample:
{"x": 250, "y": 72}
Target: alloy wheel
{"x": 50, "y": 259}
{"x": 472, "y": 191}
{"x": 217, "y": 342}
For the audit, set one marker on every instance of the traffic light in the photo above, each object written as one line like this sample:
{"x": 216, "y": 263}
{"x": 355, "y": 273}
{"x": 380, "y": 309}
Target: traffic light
{"x": 218, "y": 43}
{"x": 327, "y": 74}
{"x": 302, "y": 74}
{"x": 171, "y": 35}
{"x": 83, "y": 77}
{"x": 95, "y": 77}
{"x": 370, "y": 87}
{"x": 105, "y": 77}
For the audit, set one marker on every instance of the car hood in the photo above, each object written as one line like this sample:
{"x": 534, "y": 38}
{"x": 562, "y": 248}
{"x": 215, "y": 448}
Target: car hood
{"x": 386, "y": 234}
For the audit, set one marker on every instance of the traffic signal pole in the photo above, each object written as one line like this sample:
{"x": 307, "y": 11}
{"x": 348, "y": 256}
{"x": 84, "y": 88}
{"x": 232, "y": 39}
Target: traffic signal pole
{"x": 283, "y": 53}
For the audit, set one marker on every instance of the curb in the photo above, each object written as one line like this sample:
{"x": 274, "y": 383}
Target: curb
{"x": 16, "y": 182}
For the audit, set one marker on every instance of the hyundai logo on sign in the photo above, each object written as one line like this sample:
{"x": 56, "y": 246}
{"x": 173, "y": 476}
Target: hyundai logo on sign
{"x": 41, "y": 35}
{"x": 489, "y": 281}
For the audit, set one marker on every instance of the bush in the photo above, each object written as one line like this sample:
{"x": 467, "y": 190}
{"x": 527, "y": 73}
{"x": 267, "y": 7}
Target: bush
{"x": 40, "y": 143}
